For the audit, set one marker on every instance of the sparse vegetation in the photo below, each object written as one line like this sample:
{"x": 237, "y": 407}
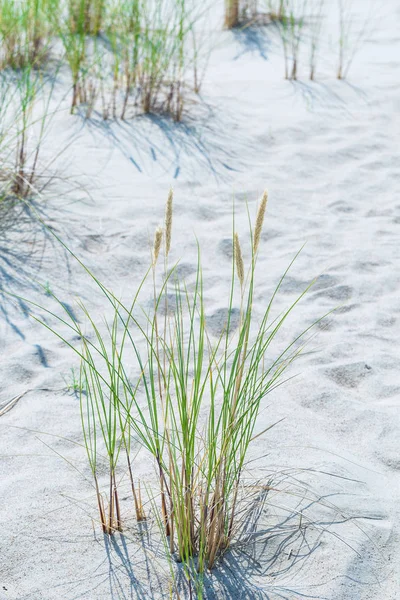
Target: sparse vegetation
{"x": 125, "y": 58}
{"x": 316, "y": 27}
{"x": 128, "y": 54}
{"x": 72, "y": 380}
{"x": 24, "y": 115}
{"x": 291, "y": 24}
{"x": 25, "y": 32}
{"x": 141, "y": 61}
{"x": 352, "y": 32}
{"x": 194, "y": 402}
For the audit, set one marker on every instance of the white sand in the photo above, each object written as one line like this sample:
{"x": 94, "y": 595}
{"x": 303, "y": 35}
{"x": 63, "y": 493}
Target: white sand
{"x": 328, "y": 152}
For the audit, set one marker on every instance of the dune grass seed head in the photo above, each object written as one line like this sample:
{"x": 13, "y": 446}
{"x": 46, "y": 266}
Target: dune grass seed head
{"x": 239, "y": 260}
{"x": 260, "y": 221}
{"x": 168, "y": 221}
{"x": 157, "y": 244}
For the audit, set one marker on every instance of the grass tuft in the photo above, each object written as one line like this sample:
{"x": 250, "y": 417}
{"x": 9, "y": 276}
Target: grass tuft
{"x": 191, "y": 403}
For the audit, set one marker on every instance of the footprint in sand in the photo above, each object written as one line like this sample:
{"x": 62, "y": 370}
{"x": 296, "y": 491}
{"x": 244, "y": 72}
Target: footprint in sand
{"x": 350, "y": 376}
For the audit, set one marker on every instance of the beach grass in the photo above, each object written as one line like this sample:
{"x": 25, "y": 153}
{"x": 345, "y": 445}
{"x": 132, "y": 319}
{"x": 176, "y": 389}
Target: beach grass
{"x": 193, "y": 402}
{"x": 129, "y": 57}
{"x": 124, "y": 58}
{"x": 123, "y": 54}
{"x": 24, "y": 116}
{"x": 26, "y": 32}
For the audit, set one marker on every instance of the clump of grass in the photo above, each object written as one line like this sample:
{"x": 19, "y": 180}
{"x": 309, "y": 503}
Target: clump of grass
{"x": 141, "y": 61}
{"x": 74, "y": 40}
{"x": 80, "y": 31}
{"x": 73, "y": 382}
{"x": 298, "y": 21}
{"x": 25, "y": 110}
{"x": 86, "y": 15}
{"x": 291, "y": 28}
{"x": 162, "y": 57}
{"x": 193, "y": 401}
{"x": 350, "y": 40}
{"x": 123, "y": 55}
{"x": 275, "y": 9}
{"x": 27, "y": 85}
{"x": 315, "y": 37}
{"x": 26, "y": 32}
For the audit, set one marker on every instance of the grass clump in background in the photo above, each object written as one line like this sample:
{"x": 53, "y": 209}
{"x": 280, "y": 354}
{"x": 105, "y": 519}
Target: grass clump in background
{"x": 25, "y": 98}
{"x": 191, "y": 402}
{"x": 26, "y": 32}
{"x": 125, "y": 54}
{"x": 86, "y": 16}
{"x": 141, "y": 61}
{"x": 129, "y": 57}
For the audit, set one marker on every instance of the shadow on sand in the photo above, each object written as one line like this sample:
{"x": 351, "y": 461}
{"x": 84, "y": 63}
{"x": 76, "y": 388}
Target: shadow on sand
{"x": 270, "y": 560}
{"x": 24, "y": 246}
{"x": 253, "y": 39}
{"x": 330, "y": 95}
{"x": 202, "y": 142}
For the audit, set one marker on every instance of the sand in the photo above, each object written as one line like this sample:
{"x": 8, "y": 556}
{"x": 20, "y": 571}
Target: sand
{"x": 328, "y": 153}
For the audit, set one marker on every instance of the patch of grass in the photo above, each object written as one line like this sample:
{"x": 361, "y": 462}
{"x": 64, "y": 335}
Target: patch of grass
{"x": 122, "y": 54}
{"x": 315, "y": 36}
{"x": 25, "y": 32}
{"x": 291, "y": 28}
{"x": 73, "y": 381}
{"x": 86, "y": 16}
{"x": 24, "y": 115}
{"x": 192, "y": 401}
{"x": 351, "y": 34}
{"x": 140, "y": 62}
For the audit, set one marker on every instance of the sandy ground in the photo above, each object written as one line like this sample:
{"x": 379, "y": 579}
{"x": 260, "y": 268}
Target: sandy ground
{"x": 328, "y": 153}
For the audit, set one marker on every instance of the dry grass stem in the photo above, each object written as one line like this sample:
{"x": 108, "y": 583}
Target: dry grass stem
{"x": 231, "y": 13}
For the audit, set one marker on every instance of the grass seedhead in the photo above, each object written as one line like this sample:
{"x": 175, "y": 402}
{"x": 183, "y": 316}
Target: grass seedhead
{"x": 157, "y": 244}
{"x": 239, "y": 260}
{"x": 260, "y": 221}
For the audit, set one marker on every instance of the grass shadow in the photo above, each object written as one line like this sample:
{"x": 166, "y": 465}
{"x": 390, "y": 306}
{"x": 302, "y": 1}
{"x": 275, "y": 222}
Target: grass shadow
{"x": 318, "y": 94}
{"x": 252, "y": 39}
{"x": 203, "y": 141}
{"x": 24, "y": 245}
{"x": 274, "y": 552}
